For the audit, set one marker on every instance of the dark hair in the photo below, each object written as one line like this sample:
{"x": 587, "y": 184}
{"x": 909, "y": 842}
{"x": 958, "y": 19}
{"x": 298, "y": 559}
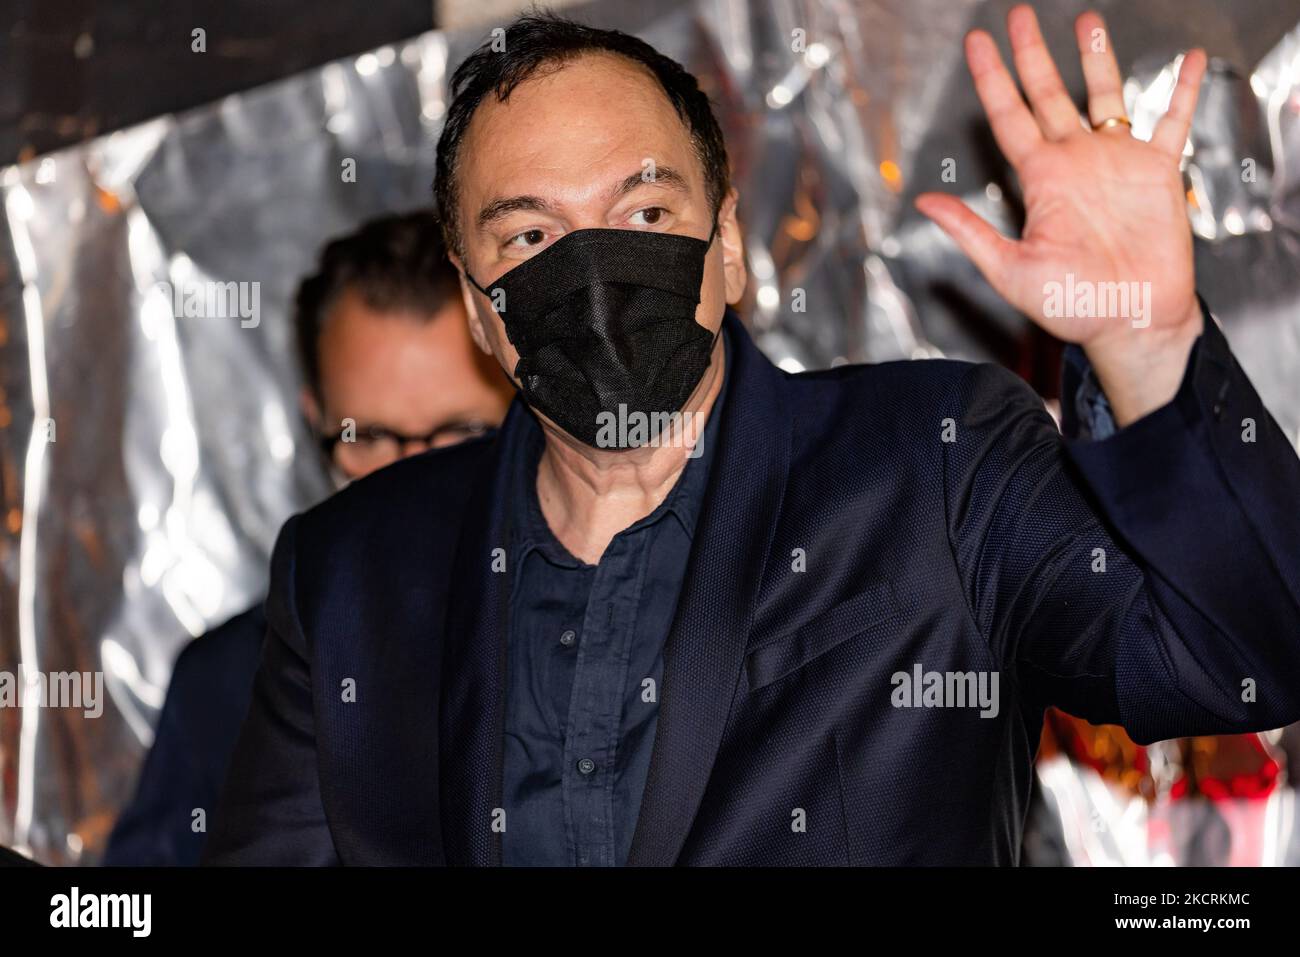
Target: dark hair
{"x": 539, "y": 38}
{"x": 395, "y": 263}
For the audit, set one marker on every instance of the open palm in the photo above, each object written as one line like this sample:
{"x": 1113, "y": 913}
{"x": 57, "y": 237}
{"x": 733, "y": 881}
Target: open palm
{"x": 1106, "y": 247}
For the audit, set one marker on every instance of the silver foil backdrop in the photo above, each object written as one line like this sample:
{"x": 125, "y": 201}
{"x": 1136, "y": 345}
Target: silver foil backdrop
{"x": 177, "y": 449}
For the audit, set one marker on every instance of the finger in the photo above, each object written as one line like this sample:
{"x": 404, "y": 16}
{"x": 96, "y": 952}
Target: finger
{"x": 991, "y": 252}
{"x": 1171, "y": 132}
{"x": 1013, "y": 125}
{"x": 1100, "y": 71}
{"x": 1056, "y": 112}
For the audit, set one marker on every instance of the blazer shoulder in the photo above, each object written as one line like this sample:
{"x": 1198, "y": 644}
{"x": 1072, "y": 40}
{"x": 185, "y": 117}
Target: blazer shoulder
{"x": 420, "y": 489}
{"x": 912, "y": 384}
{"x": 909, "y": 375}
{"x": 873, "y": 395}
{"x": 384, "y": 539}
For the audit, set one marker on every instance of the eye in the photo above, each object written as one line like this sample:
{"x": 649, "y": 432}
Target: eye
{"x": 529, "y": 237}
{"x": 372, "y": 435}
{"x": 651, "y": 214}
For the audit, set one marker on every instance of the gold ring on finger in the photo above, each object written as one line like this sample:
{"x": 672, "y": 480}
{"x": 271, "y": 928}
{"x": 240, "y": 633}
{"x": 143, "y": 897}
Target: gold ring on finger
{"x": 1111, "y": 122}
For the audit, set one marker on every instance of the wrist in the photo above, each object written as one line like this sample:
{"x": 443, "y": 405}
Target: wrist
{"x": 1140, "y": 371}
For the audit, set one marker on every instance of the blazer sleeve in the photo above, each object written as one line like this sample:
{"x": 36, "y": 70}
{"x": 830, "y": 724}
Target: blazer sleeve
{"x": 207, "y": 700}
{"x": 155, "y": 828}
{"x": 1150, "y": 579}
{"x": 271, "y": 811}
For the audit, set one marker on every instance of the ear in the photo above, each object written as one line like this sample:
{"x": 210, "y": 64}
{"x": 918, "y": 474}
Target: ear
{"x": 734, "y": 273}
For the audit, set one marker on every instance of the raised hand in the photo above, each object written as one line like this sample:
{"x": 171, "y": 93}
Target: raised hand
{"x": 1106, "y": 255}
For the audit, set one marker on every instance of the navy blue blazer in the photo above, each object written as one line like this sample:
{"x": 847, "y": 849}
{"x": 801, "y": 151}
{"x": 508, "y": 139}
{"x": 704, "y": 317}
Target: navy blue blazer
{"x": 194, "y": 740}
{"x": 860, "y": 524}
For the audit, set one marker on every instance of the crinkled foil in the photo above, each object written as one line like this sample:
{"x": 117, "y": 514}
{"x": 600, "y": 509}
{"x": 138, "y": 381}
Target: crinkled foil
{"x": 147, "y": 458}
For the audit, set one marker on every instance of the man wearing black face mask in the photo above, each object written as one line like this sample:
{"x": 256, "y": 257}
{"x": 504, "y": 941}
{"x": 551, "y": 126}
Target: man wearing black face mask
{"x": 575, "y": 644}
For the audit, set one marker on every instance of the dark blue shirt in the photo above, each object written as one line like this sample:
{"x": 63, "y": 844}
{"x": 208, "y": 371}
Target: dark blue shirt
{"x": 584, "y": 665}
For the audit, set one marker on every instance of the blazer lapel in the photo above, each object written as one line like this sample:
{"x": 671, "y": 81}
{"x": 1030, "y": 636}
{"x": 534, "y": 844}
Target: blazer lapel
{"x": 705, "y": 647}
{"x": 472, "y": 708}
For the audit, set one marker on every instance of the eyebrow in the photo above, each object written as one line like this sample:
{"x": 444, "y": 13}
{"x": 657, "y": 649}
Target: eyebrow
{"x": 499, "y": 208}
{"x": 664, "y": 176}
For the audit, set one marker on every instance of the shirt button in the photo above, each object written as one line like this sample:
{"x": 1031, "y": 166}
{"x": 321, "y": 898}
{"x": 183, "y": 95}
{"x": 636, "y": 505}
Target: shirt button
{"x": 568, "y": 638}
{"x": 586, "y": 766}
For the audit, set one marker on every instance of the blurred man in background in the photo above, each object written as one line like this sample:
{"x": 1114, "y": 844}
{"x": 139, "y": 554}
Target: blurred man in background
{"x": 390, "y": 370}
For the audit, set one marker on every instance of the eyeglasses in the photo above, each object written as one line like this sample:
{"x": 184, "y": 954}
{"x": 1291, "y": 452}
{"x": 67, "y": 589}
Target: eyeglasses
{"x": 364, "y": 448}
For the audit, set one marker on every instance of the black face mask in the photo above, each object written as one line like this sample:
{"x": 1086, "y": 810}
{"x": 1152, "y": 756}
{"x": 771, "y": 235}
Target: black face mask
{"x": 604, "y": 318}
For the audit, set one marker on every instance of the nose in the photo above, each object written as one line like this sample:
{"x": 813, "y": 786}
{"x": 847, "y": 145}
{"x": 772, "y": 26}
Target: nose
{"x": 415, "y": 446}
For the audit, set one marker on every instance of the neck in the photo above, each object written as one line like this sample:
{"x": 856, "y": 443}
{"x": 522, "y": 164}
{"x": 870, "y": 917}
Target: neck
{"x": 589, "y": 495}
